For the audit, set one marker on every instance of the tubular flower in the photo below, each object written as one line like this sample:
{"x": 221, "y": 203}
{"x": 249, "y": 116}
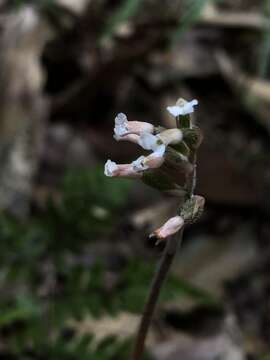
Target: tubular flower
{"x": 152, "y": 161}
{"x": 112, "y": 169}
{"x": 130, "y": 130}
{"x": 182, "y": 107}
{"x": 172, "y": 226}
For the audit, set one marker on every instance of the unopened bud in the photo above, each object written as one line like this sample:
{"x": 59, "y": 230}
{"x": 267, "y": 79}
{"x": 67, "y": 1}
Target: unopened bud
{"x": 193, "y": 209}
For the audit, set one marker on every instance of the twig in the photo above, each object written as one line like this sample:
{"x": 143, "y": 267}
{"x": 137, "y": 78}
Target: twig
{"x": 159, "y": 278}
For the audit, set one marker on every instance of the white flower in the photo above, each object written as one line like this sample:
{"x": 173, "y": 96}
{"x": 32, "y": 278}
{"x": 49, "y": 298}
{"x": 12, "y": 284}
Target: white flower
{"x": 182, "y": 107}
{"x": 112, "y": 169}
{"x": 129, "y": 130}
{"x": 152, "y": 142}
{"x": 121, "y": 125}
{"x": 109, "y": 168}
{"x": 152, "y": 161}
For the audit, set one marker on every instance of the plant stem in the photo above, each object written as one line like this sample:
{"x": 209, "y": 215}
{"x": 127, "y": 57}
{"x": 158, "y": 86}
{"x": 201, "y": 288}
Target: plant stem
{"x": 149, "y": 308}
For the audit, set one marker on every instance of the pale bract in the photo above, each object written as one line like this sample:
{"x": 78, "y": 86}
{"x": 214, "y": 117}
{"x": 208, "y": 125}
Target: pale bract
{"x": 182, "y": 107}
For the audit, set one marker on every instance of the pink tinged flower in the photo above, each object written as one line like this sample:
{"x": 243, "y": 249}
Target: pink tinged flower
{"x": 172, "y": 226}
{"x": 170, "y": 136}
{"x": 151, "y": 161}
{"x": 112, "y": 169}
{"x": 182, "y": 107}
{"x": 130, "y": 130}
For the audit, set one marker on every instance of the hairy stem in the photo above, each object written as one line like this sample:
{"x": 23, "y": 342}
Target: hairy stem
{"x": 160, "y": 276}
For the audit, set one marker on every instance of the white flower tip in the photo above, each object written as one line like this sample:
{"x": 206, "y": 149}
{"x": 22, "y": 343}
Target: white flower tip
{"x": 116, "y": 136}
{"x": 109, "y": 168}
{"x": 173, "y": 110}
{"x": 148, "y": 141}
{"x": 159, "y": 151}
{"x": 182, "y": 107}
{"x": 140, "y": 164}
{"x": 120, "y": 127}
{"x": 120, "y": 119}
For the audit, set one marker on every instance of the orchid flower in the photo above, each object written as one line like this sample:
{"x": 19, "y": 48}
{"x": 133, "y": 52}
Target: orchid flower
{"x": 182, "y": 107}
{"x": 130, "y": 130}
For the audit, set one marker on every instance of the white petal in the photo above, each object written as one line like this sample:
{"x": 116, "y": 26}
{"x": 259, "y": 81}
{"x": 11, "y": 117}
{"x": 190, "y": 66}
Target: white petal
{"x": 109, "y": 168}
{"x": 120, "y": 119}
{"x": 160, "y": 150}
{"x": 184, "y": 108}
{"x": 148, "y": 141}
{"x": 175, "y": 110}
{"x": 119, "y": 130}
{"x": 121, "y": 125}
{"x": 139, "y": 164}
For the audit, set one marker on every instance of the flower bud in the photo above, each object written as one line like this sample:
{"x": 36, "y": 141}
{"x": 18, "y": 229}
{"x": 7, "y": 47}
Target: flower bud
{"x": 172, "y": 226}
{"x": 193, "y": 137}
{"x": 193, "y": 209}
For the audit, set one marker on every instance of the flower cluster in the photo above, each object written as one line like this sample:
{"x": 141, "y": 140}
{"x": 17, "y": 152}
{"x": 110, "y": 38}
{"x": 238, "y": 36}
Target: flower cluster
{"x": 168, "y": 160}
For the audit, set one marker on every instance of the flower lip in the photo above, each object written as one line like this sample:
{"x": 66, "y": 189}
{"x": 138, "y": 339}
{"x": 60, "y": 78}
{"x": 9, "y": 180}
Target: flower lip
{"x": 182, "y": 107}
{"x": 152, "y": 142}
{"x": 109, "y": 168}
{"x": 121, "y": 123}
{"x": 140, "y": 164}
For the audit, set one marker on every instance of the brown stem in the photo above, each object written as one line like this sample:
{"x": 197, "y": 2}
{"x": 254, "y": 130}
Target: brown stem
{"x": 160, "y": 276}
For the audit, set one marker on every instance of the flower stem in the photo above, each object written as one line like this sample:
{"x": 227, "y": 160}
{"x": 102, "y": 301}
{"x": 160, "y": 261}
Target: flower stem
{"x": 159, "y": 278}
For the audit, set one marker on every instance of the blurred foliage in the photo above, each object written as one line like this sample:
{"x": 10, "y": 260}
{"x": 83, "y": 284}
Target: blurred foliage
{"x": 191, "y": 12}
{"x": 109, "y": 348}
{"x": 19, "y": 3}
{"x": 264, "y": 50}
{"x": 127, "y": 9}
{"x": 49, "y": 273}
{"x": 89, "y": 207}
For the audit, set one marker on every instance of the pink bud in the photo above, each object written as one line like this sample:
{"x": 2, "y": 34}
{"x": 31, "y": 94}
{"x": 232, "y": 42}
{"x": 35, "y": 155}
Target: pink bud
{"x": 172, "y": 226}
